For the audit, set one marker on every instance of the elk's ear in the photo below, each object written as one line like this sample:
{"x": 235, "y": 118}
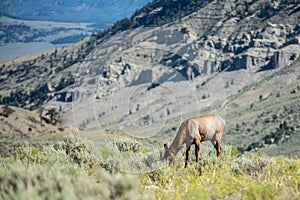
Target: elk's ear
{"x": 166, "y": 146}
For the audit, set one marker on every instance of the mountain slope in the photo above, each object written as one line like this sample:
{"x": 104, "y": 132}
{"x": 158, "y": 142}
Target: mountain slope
{"x": 142, "y": 80}
{"x": 265, "y": 114}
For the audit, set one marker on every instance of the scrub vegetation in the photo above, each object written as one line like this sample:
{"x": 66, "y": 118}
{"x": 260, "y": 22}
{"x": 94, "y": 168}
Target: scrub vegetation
{"x": 75, "y": 168}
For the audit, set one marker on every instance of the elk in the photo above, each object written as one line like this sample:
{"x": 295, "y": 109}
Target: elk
{"x": 194, "y": 131}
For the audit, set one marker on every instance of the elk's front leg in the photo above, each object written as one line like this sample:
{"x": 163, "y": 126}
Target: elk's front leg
{"x": 197, "y": 150}
{"x": 219, "y": 149}
{"x": 187, "y": 152}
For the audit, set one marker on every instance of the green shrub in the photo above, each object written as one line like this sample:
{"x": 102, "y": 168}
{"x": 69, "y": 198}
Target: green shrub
{"x": 106, "y": 152}
{"x": 111, "y": 164}
{"x": 67, "y": 169}
{"x": 71, "y": 149}
{"x": 117, "y": 186}
{"x": 18, "y": 181}
{"x": 132, "y": 162}
{"x": 78, "y": 150}
{"x": 129, "y": 145}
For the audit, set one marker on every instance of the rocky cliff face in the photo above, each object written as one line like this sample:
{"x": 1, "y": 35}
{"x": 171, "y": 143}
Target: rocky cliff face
{"x": 145, "y": 76}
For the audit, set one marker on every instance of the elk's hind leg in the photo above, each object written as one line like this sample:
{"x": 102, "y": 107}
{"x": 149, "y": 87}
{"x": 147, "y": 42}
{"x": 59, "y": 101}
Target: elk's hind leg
{"x": 219, "y": 149}
{"x": 217, "y": 145}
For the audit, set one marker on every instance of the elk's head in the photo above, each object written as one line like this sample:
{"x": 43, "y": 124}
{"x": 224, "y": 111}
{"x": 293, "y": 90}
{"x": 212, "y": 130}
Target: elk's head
{"x": 168, "y": 155}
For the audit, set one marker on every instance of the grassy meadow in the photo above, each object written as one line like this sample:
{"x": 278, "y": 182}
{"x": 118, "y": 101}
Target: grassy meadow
{"x": 75, "y": 168}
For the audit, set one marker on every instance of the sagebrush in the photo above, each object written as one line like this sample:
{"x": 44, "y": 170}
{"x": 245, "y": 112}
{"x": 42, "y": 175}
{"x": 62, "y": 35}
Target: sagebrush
{"x": 73, "y": 168}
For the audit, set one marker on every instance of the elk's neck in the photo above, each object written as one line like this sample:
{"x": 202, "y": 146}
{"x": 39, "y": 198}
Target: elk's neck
{"x": 177, "y": 143}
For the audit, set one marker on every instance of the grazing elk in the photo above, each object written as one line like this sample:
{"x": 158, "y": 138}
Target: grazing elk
{"x": 194, "y": 131}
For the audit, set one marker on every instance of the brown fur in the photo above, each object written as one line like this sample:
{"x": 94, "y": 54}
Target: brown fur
{"x": 194, "y": 131}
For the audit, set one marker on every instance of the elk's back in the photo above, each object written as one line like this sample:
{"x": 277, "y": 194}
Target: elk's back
{"x": 209, "y": 126}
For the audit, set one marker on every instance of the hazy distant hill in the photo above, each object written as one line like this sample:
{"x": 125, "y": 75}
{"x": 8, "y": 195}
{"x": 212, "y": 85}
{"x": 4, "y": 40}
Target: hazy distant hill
{"x": 19, "y": 37}
{"x": 170, "y": 61}
{"x": 28, "y": 27}
{"x": 71, "y": 11}
{"x": 24, "y": 37}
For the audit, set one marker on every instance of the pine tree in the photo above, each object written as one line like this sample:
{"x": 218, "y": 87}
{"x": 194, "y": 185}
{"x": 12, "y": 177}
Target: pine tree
{"x": 53, "y": 115}
{"x": 7, "y": 111}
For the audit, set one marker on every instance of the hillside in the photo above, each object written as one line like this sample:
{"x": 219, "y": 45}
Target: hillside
{"x": 267, "y": 113}
{"x": 19, "y": 125}
{"x": 142, "y": 76}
